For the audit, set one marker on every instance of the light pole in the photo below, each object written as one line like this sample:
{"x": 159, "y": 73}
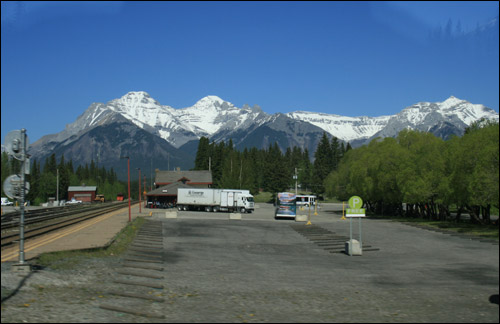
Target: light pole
{"x": 128, "y": 172}
{"x": 140, "y": 211}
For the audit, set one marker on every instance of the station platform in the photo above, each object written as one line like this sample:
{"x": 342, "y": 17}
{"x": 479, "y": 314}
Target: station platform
{"x": 92, "y": 233}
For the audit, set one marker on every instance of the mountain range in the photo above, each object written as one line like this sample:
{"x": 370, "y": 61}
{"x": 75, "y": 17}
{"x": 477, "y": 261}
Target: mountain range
{"x": 160, "y": 136}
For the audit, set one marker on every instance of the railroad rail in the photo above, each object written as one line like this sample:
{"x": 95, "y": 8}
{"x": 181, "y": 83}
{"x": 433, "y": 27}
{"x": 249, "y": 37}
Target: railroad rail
{"x": 11, "y": 219}
{"x": 40, "y": 223}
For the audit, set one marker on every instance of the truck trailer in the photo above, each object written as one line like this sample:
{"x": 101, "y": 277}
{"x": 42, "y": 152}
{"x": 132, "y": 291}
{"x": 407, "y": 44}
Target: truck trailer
{"x": 208, "y": 199}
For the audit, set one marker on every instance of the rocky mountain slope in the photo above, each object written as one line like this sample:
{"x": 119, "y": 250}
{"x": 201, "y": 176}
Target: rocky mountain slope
{"x": 138, "y": 124}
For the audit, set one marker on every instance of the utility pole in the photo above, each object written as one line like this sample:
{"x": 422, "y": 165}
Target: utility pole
{"x": 128, "y": 172}
{"x": 140, "y": 211}
{"x": 129, "y": 211}
{"x": 296, "y": 192}
{"x": 144, "y": 191}
{"x": 57, "y": 194}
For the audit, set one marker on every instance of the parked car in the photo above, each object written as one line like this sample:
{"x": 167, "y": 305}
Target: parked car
{"x": 6, "y": 202}
{"x": 74, "y": 201}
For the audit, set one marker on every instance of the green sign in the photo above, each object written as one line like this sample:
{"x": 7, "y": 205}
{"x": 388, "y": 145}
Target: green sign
{"x": 355, "y": 202}
{"x": 359, "y": 212}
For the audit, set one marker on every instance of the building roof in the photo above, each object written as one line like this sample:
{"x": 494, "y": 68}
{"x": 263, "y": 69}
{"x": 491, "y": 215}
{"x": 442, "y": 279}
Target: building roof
{"x": 198, "y": 177}
{"x": 168, "y": 190}
{"x": 82, "y": 188}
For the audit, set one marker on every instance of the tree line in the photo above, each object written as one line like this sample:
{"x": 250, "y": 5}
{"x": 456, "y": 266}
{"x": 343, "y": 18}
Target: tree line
{"x": 43, "y": 182}
{"x": 419, "y": 175}
{"x": 268, "y": 169}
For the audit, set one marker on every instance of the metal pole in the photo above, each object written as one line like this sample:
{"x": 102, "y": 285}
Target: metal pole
{"x": 140, "y": 211}
{"x": 57, "y": 194}
{"x": 296, "y": 184}
{"x": 23, "y": 191}
{"x": 350, "y": 229}
{"x": 128, "y": 168}
{"x": 360, "y": 239}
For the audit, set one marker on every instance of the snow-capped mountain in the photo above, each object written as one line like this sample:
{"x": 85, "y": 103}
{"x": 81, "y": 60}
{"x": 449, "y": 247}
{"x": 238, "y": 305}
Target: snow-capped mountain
{"x": 212, "y": 116}
{"x": 443, "y": 119}
{"x": 141, "y": 120}
{"x": 206, "y": 117}
{"x": 345, "y": 128}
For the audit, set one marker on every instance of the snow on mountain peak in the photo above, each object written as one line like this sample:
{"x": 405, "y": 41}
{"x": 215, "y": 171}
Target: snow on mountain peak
{"x": 209, "y": 102}
{"x": 212, "y": 98}
{"x": 136, "y": 99}
{"x": 135, "y": 95}
{"x": 451, "y": 102}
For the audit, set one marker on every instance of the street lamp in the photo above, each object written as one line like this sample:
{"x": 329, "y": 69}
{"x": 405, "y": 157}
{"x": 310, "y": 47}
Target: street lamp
{"x": 128, "y": 170}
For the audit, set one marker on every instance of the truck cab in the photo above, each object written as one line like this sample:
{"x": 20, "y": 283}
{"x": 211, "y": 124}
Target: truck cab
{"x": 237, "y": 200}
{"x": 247, "y": 203}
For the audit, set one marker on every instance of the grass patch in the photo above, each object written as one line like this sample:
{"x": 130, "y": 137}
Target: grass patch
{"x": 70, "y": 259}
{"x": 486, "y": 231}
{"x": 483, "y": 231}
{"x": 263, "y": 197}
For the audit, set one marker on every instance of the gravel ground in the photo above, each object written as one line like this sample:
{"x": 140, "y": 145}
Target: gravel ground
{"x": 57, "y": 295}
{"x": 257, "y": 270}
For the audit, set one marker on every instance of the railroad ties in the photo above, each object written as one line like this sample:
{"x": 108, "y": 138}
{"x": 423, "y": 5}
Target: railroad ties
{"x": 326, "y": 239}
{"x": 139, "y": 281}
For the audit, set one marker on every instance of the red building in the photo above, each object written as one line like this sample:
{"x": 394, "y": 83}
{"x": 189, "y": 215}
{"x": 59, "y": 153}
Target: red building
{"x": 82, "y": 193}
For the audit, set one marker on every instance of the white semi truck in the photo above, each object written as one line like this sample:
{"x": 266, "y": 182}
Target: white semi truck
{"x": 207, "y": 199}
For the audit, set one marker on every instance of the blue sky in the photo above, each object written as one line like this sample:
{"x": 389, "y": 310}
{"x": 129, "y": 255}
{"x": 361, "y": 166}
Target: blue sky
{"x": 352, "y": 59}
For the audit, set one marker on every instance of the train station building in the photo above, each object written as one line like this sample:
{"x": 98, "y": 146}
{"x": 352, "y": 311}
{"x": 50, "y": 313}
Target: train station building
{"x": 167, "y": 182}
{"x": 196, "y": 179}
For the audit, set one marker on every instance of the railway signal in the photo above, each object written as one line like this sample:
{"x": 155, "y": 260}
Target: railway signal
{"x": 15, "y": 186}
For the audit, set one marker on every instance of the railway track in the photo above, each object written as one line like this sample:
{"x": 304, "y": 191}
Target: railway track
{"x": 11, "y": 219}
{"x": 38, "y": 223}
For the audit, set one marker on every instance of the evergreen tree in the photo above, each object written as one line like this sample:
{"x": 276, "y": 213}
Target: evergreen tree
{"x": 336, "y": 153}
{"x": 305, "y": 173}
{"x": 34, "y": 179}
{"x": 202, "y": 154}
{"x": 50, "y": 165}
{"x": 64, "y": 179}
{"x": 276, "y": 177}
{"x": 322, "y": 164}
{"x": 219, "y": 151}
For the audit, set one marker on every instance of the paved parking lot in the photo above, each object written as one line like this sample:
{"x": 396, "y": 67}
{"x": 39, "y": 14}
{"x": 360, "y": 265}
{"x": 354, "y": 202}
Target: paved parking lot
{"x": 260, "y": 269}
